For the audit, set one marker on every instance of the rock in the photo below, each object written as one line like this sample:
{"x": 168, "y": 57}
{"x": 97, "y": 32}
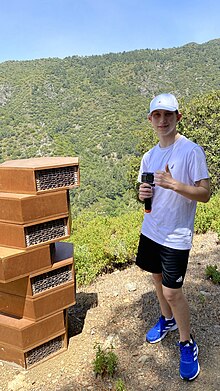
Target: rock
{"x": 143, "y": 359}
{"x": 131, "y": 287}
{"x": 112, "y": 340}
{"x": 217, "y": 327}
{"x": 204, "y": 293}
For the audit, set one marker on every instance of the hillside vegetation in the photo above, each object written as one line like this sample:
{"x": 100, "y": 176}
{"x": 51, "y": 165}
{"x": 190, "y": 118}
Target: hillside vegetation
{"x": 96, "y": 108}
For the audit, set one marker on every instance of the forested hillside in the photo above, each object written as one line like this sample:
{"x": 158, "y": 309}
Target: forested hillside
{"x": 96, "y": 108}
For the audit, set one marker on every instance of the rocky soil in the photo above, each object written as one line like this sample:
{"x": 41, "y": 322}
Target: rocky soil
{"x": 117, "y": 309}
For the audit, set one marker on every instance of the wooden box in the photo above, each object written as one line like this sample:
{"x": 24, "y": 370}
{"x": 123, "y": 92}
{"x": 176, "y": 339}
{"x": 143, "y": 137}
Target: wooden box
{"x": 34, "y": 234}
{"x": 37, "y": 175}
{"x": 26, "y": 334}
{"x": 15, "y": 263}
{"x": 27, "y": 208}
{"x": 32, "y": 357}
{"x": 41, "y": 305}
{"x": 54, "y": 276}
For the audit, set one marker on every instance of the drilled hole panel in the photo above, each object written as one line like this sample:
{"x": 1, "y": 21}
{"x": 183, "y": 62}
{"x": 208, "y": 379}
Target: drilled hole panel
{"x": 51, "y": 279}
{"x": 41, "y": 352}
{"x": 45, "y": 232}
{"x": 57, "y": 177}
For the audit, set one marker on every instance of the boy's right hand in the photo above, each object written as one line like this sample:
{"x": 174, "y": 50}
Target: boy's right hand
{"x": 145, "y": 191}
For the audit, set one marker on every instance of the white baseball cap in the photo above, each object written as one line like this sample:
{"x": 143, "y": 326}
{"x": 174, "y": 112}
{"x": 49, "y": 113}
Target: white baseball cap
{"x": 164, "y": 102}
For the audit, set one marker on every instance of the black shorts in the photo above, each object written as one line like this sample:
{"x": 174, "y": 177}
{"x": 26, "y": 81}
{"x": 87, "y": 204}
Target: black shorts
{"x": 158, "y": 259}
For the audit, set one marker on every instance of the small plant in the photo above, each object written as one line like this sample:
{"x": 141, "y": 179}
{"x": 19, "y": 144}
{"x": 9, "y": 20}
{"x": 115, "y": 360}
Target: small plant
{"x": 105, "y": 362}
{"x": 213, "y": 273}
{"x": 202, "y": 298}
{"x": 119, "y": 385}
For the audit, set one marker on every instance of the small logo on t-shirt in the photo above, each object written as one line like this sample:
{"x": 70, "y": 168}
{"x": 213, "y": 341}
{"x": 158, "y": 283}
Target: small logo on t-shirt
{"x": 180, "y": 279}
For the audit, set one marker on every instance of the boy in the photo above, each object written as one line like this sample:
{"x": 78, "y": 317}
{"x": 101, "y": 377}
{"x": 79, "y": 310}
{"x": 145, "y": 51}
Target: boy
{"x": 180, "y": 180}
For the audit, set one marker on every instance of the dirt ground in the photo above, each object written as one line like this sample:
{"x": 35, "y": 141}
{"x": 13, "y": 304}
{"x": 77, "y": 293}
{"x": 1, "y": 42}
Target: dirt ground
{"x": 118, "y": 309}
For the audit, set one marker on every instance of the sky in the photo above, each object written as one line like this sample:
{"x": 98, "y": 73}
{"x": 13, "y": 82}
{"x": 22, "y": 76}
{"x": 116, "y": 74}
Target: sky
{"x": 34, "y": 29}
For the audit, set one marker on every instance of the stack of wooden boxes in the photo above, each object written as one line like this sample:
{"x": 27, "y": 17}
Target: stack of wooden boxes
{"x": 37, "y": 278}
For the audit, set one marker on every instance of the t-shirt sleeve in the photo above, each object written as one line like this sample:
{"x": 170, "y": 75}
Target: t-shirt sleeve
{"x": 197, "y": 165}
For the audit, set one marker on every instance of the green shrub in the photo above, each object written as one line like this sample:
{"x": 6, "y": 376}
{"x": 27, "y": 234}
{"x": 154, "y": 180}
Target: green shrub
{"x": 104, "y": 243}
{"x": 213, "y": 273}
{"x": 105, "y": 362}
{"x": 120, "y": 386}
{"x": 208, "y": 216}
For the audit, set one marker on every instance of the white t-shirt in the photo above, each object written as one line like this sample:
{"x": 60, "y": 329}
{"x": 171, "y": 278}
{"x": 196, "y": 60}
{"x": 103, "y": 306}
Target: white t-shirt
{"x": 171, "y": 221}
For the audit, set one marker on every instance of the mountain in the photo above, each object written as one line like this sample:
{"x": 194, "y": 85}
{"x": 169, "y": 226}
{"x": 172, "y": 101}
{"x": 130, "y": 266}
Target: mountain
{"x": 96, "y": 108}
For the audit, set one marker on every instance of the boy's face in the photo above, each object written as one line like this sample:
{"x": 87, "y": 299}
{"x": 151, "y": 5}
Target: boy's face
{"x": 164, "y": 122}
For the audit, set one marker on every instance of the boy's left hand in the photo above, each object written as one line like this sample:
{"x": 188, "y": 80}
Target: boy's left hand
{"x": 164, "y": 178}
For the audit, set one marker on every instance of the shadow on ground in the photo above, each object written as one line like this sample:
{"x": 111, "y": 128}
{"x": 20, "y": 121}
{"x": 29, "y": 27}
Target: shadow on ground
{"x": 77, "y": 313}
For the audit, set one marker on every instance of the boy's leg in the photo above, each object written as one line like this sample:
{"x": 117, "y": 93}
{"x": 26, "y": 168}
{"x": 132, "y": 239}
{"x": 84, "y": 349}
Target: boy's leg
{"x": 189, "y": 364}
{"x": 166, "y": 321}
{"x": 173, "y": 303}
{"x": 164, "y": 306}
{"x": 180, "y": 309}
{"x": 174, "y": 265}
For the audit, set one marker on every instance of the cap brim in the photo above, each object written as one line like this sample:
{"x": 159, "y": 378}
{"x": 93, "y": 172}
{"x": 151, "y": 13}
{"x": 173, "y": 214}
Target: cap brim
{"x": 163, "y": 108}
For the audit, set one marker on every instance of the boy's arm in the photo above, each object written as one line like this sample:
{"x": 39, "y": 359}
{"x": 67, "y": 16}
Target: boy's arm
{"x": 200, "y": 192}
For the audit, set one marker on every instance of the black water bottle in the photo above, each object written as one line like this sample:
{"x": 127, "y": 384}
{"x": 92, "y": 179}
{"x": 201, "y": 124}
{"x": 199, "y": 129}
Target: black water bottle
{"x": 147, "y": 177}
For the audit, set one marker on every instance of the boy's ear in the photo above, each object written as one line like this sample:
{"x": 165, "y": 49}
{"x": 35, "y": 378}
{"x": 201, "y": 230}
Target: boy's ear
{"x": 179, "y": 116}
{"x": 149, "y": 117}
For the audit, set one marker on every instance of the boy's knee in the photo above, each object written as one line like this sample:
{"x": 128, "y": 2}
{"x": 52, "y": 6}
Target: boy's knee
{"x": 172, "y": 295}
{"x": 157, "y": 278}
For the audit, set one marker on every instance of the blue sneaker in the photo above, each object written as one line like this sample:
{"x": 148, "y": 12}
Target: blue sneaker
{"x": 160, "y": 330}
{"x": 189, "y": 365}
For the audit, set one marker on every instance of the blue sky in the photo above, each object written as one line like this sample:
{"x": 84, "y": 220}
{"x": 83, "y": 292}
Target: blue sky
{"x": 33, "y": 29}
